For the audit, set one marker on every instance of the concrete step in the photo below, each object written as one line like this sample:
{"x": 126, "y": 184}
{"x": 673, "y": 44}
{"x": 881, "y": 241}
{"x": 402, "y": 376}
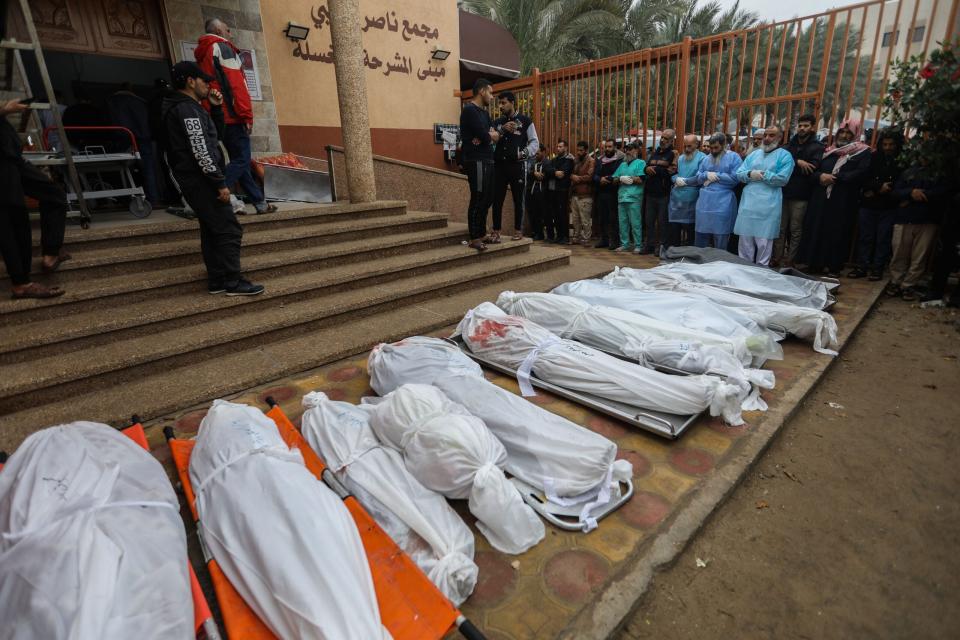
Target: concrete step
{"x": 154, "y": 393}
{"x": 125, "y": 289}
{"x": 167, "y": 252}
{"x": 77, "y": 239}
{"x": 59, "y": 376}
{"x": 416, "y": 256}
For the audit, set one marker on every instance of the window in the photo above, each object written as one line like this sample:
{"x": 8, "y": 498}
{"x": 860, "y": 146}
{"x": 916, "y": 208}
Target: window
{"x": 890, "y": 38}
{"x": 918, "y": 33}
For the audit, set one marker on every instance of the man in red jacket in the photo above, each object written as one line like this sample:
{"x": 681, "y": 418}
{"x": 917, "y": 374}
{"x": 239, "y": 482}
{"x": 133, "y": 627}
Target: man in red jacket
{"x": 220, "y": 58}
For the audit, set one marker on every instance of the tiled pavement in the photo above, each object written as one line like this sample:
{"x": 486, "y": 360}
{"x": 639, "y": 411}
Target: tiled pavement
{"x": 555, "y": 586}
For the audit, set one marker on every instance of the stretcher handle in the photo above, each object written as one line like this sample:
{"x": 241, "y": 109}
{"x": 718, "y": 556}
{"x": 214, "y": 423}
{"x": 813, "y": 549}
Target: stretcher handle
{"x": 168, "y": 434}
{"x": 3, "y": 457}
{"x": 468, "y": 630}
{"x": 133, "y": 139}
{"x": 271, "y": 402}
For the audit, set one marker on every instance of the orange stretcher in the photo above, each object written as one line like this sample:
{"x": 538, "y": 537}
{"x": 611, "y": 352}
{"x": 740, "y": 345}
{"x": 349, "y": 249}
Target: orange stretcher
{"x": 203, "y": 622}
{"x": 411, "y": 607}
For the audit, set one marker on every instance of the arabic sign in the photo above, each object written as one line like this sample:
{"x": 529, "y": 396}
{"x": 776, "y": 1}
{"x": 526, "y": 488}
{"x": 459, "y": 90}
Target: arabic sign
{"x": 248, "y": 59}
{"x": 399, "y": 64}
{"x": 446, "y": 134}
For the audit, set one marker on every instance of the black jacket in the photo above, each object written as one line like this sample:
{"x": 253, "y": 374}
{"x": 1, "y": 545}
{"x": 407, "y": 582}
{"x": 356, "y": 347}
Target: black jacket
{"x": 801, "y": 184}
{"x": 658, "y": 185}
{"x": 545, "y": 167}
{"x": 601, "y": 170}
{"x": 191, "y": 139}
{"x": 564, "y": 164}
{"x": 913, "y": 212}
{"x": 11, "y": 147}
{"x": 883, "y": 168}
{"x": 512, "y": 146}
{"x": 475, "y": 124}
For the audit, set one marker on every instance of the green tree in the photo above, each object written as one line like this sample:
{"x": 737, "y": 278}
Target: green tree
{"x": 924, "y": 102}
{"x": 691, "y": 18}
{"x": 556, "y": 33}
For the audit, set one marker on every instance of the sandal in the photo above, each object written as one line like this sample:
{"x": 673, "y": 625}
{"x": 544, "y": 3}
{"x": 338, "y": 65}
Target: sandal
{"x": 478, "y": 245}
{"x": 270, "y": 208}
{"x": 494, "y": 238}
{"x": 892, "y": 289}
{"x": 37, "y": 291}
{"x": 63, "y": 257}
{"x": 517, "y": 236}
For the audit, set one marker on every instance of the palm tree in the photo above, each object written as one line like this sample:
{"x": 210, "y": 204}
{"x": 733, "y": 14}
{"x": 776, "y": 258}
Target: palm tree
{"x": 556, "y": 33}
{"x": 690, "y": 18}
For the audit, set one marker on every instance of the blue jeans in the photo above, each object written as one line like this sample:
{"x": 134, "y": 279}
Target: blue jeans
{"x": 715, "y": 240}
{"x": 237, "y": 141}
{"x": 874, "y": 238}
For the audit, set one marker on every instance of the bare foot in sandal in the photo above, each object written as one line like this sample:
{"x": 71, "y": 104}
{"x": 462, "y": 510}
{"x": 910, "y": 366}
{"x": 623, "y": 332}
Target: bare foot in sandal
{"x": 517, "y": 236}
{"x": 494, "y": 238}
{"x": 34, "y": 290}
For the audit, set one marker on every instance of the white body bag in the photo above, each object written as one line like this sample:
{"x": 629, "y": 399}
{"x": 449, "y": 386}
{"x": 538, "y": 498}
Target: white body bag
{"x": 284, "y": 540}
{"x": 419, "y": 520}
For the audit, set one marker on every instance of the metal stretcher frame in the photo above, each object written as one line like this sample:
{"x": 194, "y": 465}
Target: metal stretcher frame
{"x": 204, "y": 625}
{"x": 667, "y": 425}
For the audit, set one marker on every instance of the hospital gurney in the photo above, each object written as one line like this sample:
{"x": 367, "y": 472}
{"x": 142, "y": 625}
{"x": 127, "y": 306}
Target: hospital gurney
{"x": 91, "y": 163}
{"x": 204, "y": 624}
{"x": 411, "y": 607}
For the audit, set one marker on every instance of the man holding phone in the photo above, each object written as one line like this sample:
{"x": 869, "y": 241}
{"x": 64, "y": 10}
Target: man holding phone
{"x": 191, "y": 145}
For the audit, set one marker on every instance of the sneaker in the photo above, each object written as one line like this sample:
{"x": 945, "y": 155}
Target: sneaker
{"x": 244, "y": 288}
{"x": 622, "y": 249}
{"x": 213, "y": 288}
{"x": 910, "y": 295}
{"x": 875, "y": 276}
{"x": 857, "y": 273}
{"x": 892, "y": 289}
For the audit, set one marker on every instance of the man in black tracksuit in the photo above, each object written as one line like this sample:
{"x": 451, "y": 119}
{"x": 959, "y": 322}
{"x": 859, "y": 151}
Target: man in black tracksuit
{"x": 518, "y": 142}
{"x": 538, "y": 191}
{"x": 191, "y": 145}
{"x": 478, "y": 137}
{"x": 558, "y": 229}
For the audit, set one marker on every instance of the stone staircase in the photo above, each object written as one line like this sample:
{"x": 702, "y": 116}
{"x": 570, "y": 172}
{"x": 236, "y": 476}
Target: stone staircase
{"x": 137, "y": 332}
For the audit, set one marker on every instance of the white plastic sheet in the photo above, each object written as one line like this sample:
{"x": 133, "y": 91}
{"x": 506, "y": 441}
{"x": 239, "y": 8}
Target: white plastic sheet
{"x": 570, "y": 464}
{"x": 526, "y": 347}
{"x": 766, "y": 284}
{"x": 284, "y": 540}
{"x": 452, "y": 452}
{"x": 91, "y": 540}
{"x": 803, "y": 322}
{"x": 419, "y": 520}
{"x": 689, "y": 312}
{"x": 623, "y": 332}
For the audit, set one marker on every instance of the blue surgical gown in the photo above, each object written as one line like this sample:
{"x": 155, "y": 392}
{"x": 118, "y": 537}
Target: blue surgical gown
{"x": 717, "y": 203}
{"x": 683, "y": 200}
{"x": 762, "y": 200}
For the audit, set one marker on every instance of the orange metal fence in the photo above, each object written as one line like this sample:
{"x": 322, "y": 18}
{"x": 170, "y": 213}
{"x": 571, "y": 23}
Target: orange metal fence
{"x": 835, "y": 65}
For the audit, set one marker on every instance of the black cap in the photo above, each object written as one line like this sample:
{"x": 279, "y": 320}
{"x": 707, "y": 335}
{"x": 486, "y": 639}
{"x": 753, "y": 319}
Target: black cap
{"x": 187, "y": 69}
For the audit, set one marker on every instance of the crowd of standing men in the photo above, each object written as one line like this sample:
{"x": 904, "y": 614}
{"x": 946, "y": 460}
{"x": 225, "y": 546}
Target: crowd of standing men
{"x": 796, "y": 204}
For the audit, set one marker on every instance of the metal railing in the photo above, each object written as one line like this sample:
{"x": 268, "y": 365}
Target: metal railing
{"x": 835, "y": 65}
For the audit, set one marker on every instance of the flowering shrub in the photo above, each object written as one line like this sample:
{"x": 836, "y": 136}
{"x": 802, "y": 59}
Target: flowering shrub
{"x": 924, "y": 102}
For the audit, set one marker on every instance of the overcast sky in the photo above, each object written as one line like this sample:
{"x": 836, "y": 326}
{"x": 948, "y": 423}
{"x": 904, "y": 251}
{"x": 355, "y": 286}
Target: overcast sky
{"x": 782, "y": 10}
